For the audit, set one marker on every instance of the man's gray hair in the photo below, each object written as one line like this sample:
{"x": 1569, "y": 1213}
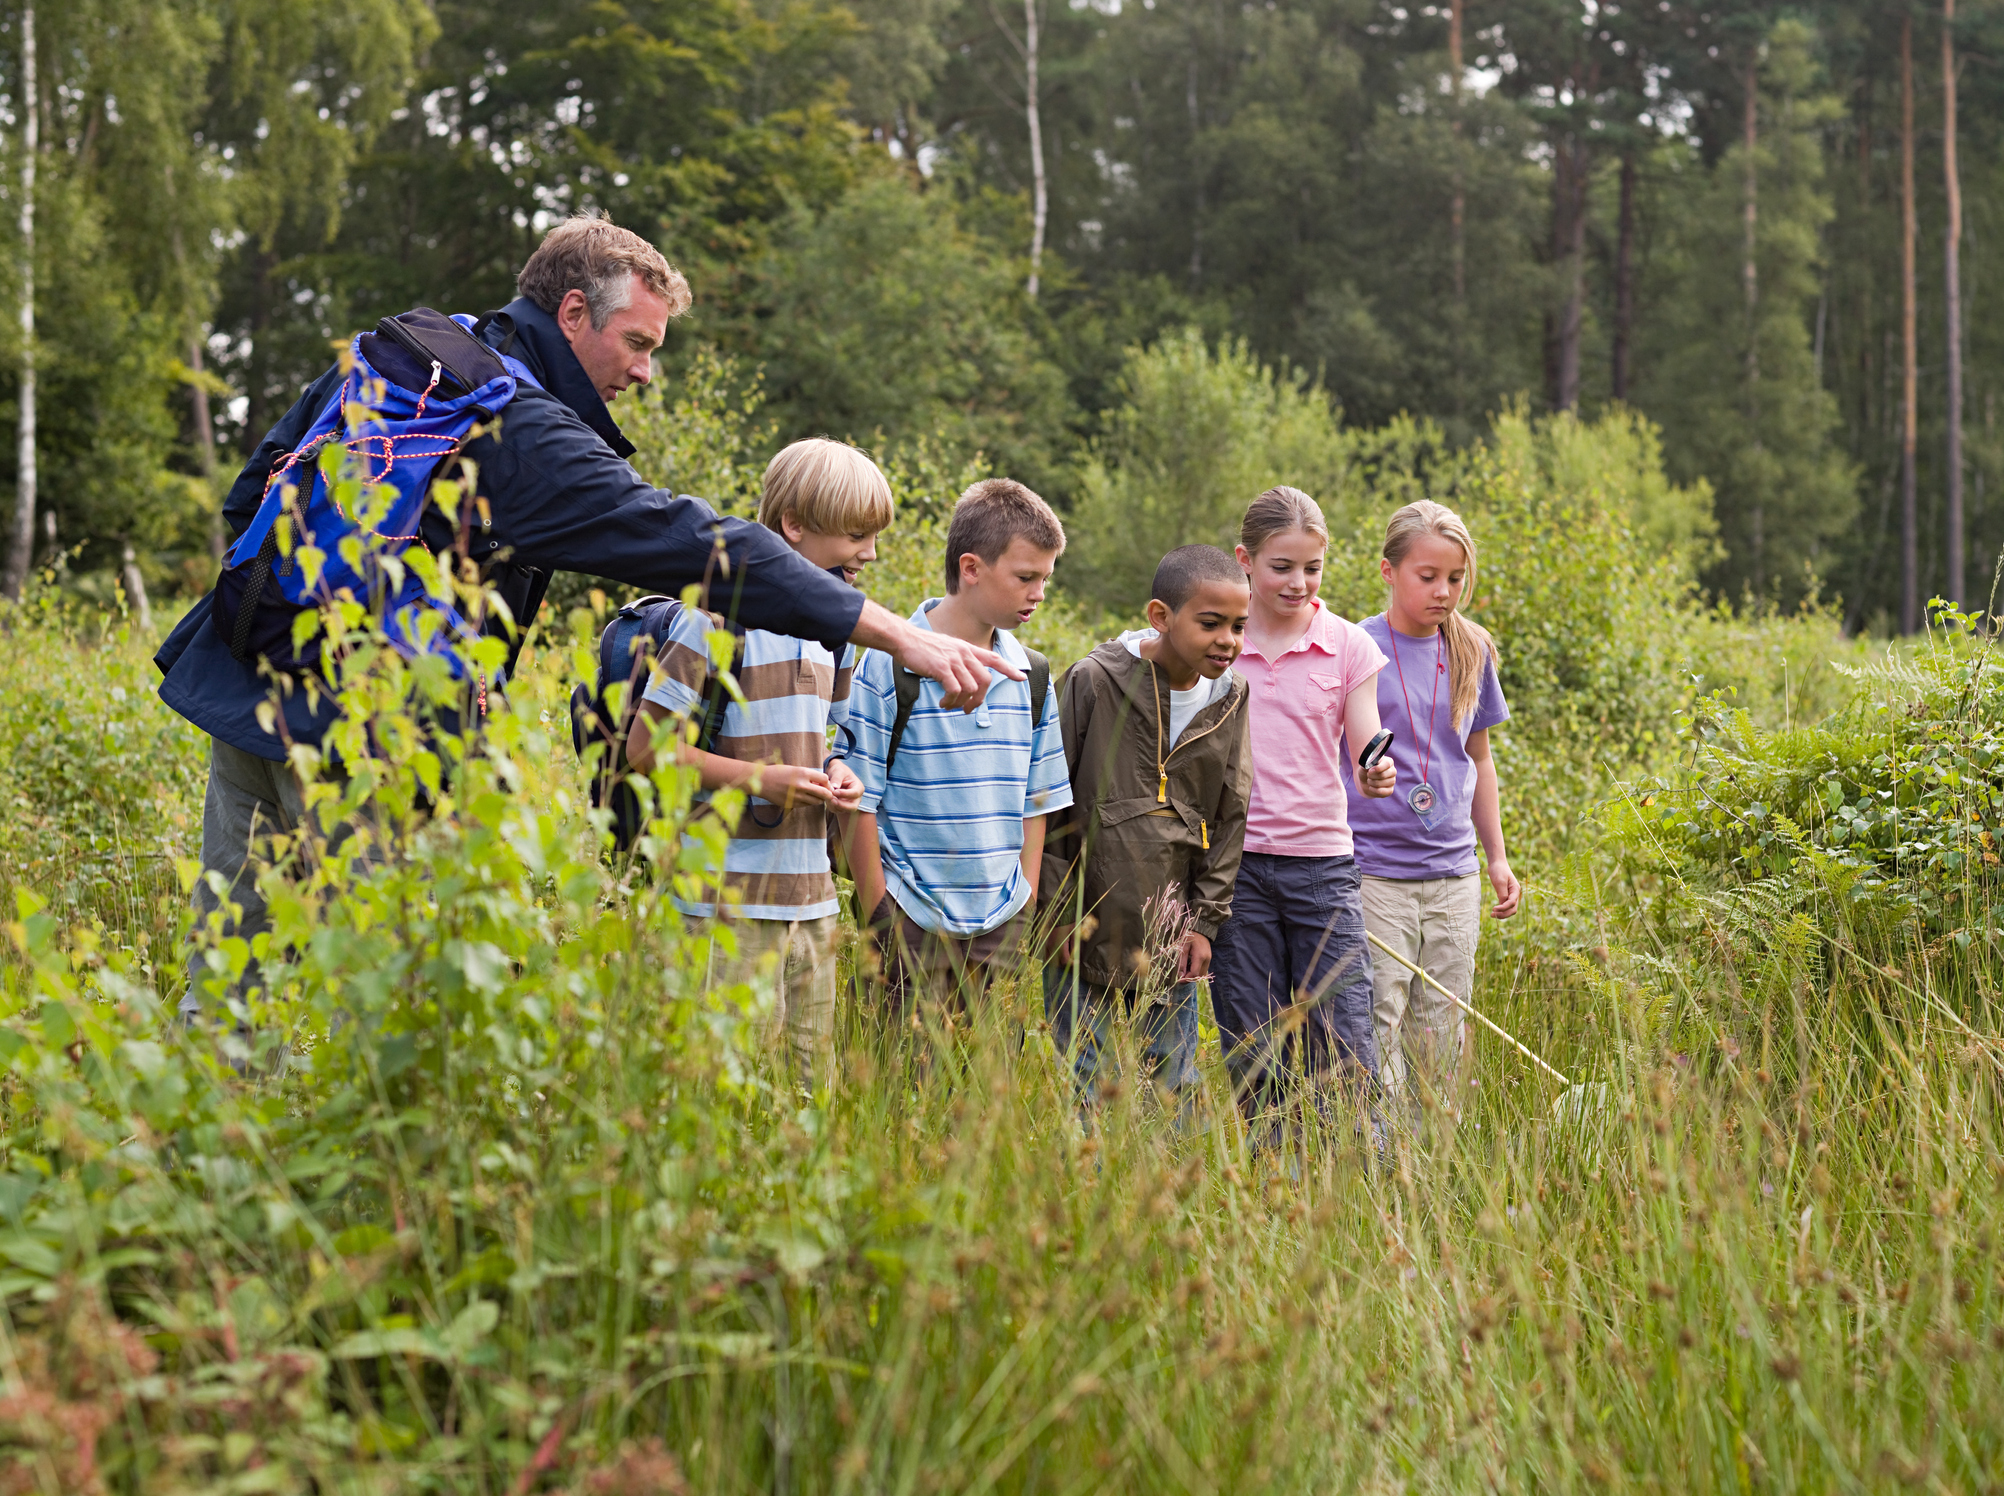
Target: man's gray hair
{"x": 594, "y": 255}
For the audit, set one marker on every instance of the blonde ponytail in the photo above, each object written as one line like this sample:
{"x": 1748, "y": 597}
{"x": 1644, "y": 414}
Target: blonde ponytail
{"x": 1470, "y": 650}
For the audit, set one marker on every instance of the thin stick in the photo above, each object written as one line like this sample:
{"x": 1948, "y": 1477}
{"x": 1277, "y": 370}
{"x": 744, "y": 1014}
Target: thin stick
{"x": 1468, "y": 1008}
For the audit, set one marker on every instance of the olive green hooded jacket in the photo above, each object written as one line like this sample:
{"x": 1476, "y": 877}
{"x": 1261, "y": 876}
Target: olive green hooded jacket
{"x": 1149, "y": 818}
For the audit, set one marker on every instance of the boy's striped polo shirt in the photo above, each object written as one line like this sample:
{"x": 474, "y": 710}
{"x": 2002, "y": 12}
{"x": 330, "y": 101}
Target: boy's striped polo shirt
{"x": 794, "y": 689}
{"x": 950, "y": 820}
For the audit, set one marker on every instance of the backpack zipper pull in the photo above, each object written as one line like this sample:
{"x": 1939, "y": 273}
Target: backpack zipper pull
{"x": 1162, "y": 789}
{"x": 1204, "y": 830}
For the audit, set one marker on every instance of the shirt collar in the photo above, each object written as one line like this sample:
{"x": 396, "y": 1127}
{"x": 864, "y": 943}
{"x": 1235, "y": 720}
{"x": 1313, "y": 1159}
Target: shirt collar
{"x": 540, "y": 343}
{"x": 1320, "y": 634}
{"x": 1005, "y": 642}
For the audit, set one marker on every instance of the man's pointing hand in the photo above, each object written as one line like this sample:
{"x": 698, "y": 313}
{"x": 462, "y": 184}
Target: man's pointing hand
{"x": 960, "y": 668}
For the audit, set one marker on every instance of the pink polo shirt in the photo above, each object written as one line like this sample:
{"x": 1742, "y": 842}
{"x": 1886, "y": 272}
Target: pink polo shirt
{"x": 1300, "y": 798}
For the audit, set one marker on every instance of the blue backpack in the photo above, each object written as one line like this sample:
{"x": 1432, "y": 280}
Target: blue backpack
{"x": 418, "y": 385}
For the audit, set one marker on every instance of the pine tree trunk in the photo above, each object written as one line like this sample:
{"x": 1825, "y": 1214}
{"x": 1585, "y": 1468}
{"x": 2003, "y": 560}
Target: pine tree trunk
{"x": 1457, "y": 205}
{"x": 1624, "y": 277}
{"x": 1910, "y": 619}
{"x": 1196, "y": 174}
{"x": 1750, "y": 285}
{"x": 1952, "y": 293}
{"x": 22, "y": 555}
{"x": 1562, "y": 325}
{"x": 1039, "y": 195}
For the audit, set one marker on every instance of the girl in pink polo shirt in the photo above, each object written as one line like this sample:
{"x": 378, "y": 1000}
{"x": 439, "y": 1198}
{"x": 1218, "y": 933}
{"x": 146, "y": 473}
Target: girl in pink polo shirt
{"x": 1295, "y": 939}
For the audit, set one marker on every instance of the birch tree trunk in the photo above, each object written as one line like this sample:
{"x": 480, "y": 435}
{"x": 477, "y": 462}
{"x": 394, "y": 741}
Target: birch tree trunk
{"x": 1952, "y": 293}
{"x": 20, "y": 557}
{"x": 1910, "y": 364}
{"x": 1039, "y": 193}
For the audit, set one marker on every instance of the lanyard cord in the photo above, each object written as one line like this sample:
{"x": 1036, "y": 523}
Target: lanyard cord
{"x": 1426, "y": 753}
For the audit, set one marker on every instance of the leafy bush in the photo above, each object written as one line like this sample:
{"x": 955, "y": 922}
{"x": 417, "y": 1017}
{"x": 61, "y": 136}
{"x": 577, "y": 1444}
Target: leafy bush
{"x": 1194, "y": 437}
{"x": 1891, "y": 807}
{"x": 102, "y": 787}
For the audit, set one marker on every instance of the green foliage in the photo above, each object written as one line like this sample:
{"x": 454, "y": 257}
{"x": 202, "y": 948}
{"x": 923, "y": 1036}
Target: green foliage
{"x": 881, "y": 317}
{"x": 527, "y": 1203}
{"x": 705, "y": 437}
{"x": 1733, "y": 380}
{"x": 102, "y": 785}
{"x": 124, "y": 203}
{"x": 481, "y": 1185}
{"x": 1619, "y": 456}
{"x": 1889, "y": 806}
{"x": 712, "y": 440}
{"x": 848, "y": 188}
{"x": 1196, "y": 435}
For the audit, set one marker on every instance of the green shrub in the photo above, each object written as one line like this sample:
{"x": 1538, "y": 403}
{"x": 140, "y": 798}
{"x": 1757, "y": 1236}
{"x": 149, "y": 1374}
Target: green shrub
{"x": 1891, "y": 806}
{"x": 1195, "y": 437}
{"x": 102, "y": 787}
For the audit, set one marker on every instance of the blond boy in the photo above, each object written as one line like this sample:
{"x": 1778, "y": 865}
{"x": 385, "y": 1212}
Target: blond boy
{"x": 775, "y": 890}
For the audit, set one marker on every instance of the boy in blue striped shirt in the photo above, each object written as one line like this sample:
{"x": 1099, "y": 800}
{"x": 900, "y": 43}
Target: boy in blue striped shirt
{"x": 949, "y": 838}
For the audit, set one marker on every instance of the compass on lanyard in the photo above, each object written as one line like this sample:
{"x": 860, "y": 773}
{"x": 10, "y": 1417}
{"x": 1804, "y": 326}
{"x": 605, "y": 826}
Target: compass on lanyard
{"x": 1421, "y": 797}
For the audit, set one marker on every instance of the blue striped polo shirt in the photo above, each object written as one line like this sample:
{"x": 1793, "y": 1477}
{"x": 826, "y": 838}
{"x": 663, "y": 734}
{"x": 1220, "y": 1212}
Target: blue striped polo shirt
{"x": 950, "y": 821}
{"x": 794, "y": 691}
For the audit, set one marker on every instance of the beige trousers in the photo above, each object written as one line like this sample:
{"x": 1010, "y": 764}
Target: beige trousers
{"x": 791, "y": 964}
{"x": 1435, "y": 923}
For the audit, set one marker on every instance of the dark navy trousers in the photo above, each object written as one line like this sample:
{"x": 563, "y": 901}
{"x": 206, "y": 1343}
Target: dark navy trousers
{"x": 1291, "y": 974}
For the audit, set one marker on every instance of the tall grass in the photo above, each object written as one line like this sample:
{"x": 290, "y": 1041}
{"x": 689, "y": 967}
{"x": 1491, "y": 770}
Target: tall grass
{"x": 528, "y": 1208}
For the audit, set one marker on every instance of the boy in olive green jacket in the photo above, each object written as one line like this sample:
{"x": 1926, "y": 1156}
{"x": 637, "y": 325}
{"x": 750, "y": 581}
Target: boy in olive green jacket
{"x": 1154, "y": 727}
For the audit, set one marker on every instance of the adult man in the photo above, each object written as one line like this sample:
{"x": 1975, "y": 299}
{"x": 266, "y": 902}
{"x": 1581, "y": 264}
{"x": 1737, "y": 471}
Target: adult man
{"x": 594, "y": 305}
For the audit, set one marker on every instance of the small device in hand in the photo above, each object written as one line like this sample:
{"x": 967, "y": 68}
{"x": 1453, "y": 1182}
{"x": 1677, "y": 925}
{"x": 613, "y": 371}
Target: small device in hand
{"x": 1375, "y": 750}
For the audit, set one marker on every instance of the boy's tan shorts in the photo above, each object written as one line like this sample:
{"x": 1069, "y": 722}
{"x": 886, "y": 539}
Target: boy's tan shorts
{"x": 922, "y": 965}
{"x": 794, "y": 961}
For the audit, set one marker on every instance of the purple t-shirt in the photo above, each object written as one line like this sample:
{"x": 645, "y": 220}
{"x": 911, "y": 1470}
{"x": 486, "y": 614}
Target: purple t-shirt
{"x": 1393, "y": 839}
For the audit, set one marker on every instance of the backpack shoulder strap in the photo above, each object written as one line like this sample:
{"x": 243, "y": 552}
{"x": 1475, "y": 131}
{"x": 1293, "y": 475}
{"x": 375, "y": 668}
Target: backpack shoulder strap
{"x": 503, "y": 324}
{"x": 1040, "y": 687}
{"x": 616, "y": 664}
{"x": 908, "y": 684}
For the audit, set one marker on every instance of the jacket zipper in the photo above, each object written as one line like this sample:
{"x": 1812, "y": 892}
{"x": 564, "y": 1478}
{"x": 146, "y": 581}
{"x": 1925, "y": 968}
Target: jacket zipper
{"x": 1162, "y": 789}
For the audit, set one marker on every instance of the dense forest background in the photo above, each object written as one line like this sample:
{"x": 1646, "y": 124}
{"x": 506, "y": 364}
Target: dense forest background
{"x": 952, "y": 224}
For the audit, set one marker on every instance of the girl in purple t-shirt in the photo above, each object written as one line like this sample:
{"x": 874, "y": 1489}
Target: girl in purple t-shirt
{"x": 1416, "y": 850}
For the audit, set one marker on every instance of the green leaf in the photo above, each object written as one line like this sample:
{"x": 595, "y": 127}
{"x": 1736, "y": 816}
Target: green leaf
{"x": 58, "y": 1027}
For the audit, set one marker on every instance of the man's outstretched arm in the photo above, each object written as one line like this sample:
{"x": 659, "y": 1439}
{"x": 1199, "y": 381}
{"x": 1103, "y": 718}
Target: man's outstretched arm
{"x": 562, "y": 500}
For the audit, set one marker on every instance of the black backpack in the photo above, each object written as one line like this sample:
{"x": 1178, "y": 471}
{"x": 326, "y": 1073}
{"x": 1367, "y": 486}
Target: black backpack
{"x": 623, "y": 660}
{"x": 908, "y": 682}
{"x": 620, "y": 659}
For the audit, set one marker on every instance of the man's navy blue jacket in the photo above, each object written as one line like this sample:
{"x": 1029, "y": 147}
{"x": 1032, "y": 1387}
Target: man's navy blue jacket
{"x": 560, "y": 497}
